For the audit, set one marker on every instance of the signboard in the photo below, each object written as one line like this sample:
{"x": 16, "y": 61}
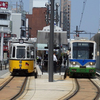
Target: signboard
{"x": 3, "y": 4}
{"x": 6, "y": 35}
{"x": 5, "y": 48}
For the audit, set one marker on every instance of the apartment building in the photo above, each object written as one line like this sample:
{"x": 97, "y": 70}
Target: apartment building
{"x": 36, "y": 20}
{"x": 11, "y": 22}
{"x": 65, "y": 16}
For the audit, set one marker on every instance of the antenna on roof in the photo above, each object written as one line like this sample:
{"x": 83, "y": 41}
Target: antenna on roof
{"x": 21, "y": 5}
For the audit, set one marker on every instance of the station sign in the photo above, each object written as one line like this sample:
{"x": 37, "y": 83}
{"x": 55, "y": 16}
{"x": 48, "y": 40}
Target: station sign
{"x": 3, "y": 4}
{"x": 6, "y": 35}
{"x": 5, "y": 48}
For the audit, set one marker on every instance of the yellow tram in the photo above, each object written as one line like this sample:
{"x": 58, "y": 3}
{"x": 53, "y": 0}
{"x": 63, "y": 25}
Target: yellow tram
{"x": 21, "y": 59}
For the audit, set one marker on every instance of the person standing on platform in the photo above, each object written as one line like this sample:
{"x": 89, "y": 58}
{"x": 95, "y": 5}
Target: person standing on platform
{"x": 65, "y": 61}
{"x": 55, "y": 62}
{"x": 60, "y": 61}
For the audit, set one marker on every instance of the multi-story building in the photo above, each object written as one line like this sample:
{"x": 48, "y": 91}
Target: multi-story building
{"x": 36, "y": 3}
{"x": 11, "y": 22}
{"x": 5, "y": 29}
{"x": 18, "y": 23}
{"x": 36, "y": 20}
{"x": 65, "y": 16}
{"x": 64, "y": 13}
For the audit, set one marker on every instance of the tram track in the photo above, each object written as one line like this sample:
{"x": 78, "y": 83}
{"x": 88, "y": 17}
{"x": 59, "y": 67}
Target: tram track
{"x": 12, "y": 88}
{"x": 87, "y": 90}
{"x": 5, "y": 82}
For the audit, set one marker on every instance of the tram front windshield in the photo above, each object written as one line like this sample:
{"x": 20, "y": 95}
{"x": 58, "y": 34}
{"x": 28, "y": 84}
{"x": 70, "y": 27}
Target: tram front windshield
{"x": 82, "y": 50}
{"x": 20, "y": 51}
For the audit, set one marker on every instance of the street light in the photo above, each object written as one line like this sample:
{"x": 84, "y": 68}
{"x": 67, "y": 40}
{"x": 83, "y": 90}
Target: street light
{"x": 48, "y": 12}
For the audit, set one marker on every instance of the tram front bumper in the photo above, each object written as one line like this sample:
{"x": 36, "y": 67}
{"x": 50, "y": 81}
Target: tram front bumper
{"x": 20, "y": 71}
{"x": 82, "y": 70}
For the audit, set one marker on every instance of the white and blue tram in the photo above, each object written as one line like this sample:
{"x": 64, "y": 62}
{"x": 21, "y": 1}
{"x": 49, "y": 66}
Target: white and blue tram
{"x": 82, "y": 59}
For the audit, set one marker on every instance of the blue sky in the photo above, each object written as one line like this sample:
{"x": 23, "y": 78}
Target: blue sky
{"x": 91, "y": 16}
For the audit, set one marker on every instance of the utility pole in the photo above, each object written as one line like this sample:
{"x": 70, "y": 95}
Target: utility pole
{"x": 80, "y": 32}
{"x": 77, "y": 34}
{"x": 51, "y": 39}
{"x": 48, "y": 14}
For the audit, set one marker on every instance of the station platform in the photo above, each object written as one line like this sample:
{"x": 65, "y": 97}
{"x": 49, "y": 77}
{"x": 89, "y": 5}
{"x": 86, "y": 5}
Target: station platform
{"x": 41, "y": 89}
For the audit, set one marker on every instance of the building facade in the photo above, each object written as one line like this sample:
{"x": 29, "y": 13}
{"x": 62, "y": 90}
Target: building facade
{"x": 11, "y": 22}
{"x": 65, "y": 16}
{"x": 36, "y": 20}
{"x": 36, "y": 3}
{"x": 64, "y": 13}
{"x": 18, "y": 24}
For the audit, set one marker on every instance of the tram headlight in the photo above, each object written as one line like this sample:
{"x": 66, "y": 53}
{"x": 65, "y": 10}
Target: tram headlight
{"x": 74, "y": 63}
{"x": 91, "y": 63}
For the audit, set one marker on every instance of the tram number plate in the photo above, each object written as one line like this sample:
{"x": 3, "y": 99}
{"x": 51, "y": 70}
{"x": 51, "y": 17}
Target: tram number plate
{"x": 82, "y": 66}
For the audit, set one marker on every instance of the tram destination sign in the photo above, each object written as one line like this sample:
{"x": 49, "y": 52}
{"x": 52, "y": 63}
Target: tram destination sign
{"x": 3, "y": 4}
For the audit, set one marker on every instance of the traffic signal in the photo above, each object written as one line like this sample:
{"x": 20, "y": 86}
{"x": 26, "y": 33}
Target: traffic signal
{"x": 77, "y": 35}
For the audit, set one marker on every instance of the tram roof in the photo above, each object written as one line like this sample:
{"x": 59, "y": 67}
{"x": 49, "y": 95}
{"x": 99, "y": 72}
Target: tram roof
{"x": 30, "y": 40}
{"x": 81, "y": 39}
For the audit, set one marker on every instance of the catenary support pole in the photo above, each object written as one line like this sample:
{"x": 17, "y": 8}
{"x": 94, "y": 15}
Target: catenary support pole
{"x": 51, "y": 39}
{"x": 2, "y": 45}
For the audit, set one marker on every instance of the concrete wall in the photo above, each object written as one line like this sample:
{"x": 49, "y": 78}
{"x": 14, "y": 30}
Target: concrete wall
{"x": 36, "y": 20}
{"x": 16, "y": 24}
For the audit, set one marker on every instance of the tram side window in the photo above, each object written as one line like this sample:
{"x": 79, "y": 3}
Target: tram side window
{"x": 28, "y": 52}
{"x": 13, "y": 54}
{"x": 32, "y": 52}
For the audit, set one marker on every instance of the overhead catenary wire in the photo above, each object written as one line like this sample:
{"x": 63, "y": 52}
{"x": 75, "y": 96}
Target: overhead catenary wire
{"x": 84, "y": 4}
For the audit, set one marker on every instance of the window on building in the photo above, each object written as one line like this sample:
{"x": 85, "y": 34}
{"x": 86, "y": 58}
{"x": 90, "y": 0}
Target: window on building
{"x": 3, "y": 25}
{"x": 23, "y": 22}
{"x": 3, "y": 16}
